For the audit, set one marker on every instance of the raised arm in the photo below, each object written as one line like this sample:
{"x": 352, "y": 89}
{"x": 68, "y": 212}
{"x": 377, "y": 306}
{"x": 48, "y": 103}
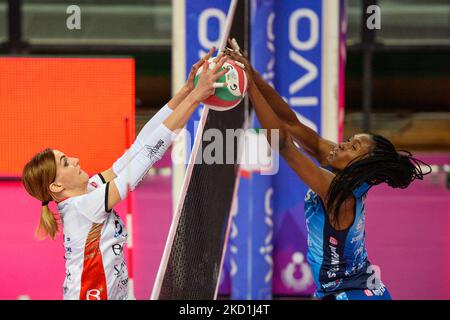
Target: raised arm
{"x": 308, "y": 139}
{"x": 155, "y": 121}
{"x": 316, "y": 178}
{"x": 154, "y": 147}
{"x": 189, "y": 85}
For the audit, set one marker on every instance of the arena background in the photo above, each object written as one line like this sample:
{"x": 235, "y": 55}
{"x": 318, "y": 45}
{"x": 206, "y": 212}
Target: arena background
{"x": 97, "y": 85}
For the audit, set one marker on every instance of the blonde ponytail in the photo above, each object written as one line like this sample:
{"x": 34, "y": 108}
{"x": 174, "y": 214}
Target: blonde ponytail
{"x": 48, "y": 224}
{"x": 37, "y": 176}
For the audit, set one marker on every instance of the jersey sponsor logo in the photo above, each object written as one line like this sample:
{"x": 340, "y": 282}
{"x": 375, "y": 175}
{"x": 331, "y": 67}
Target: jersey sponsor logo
{"x": 333, "y": 241}
{"x": 360, "y": 225}
{"x": 350, "y": 271}
{"x": 153, "y": 151}
{"x": 68, "y": 276}
{"x": 308, "y": 195}
{"x": 357, "y": 238}
{"x": 118, "y": 228}
{"x": 332, "y": 284}
{"x": 311, "y": 197}
{"x": 119, "y": 270}
{"x": 368, "y": 293}
{"x": 122, "y": 285}
{"x": 67, "y": 247}
{"x": 332, "y": 272}
{"x": 117, "y": 249}
{"x": 342, "y": 296}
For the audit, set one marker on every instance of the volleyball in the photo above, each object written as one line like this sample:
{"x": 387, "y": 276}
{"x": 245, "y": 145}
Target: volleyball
{"x": 226, "y": 98}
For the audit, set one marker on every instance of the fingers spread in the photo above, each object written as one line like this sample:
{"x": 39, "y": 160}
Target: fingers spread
{"x": 238, "y": 58}
{"x": 219, "y": 74}
{"x": 205, "y": 58}
{"x": 240, "y": 65}
{"x": 205, "y": 66}
{"x": 216, "y": 59}
{"x": 210, "y": 53}
{"x": 220, "y": 64}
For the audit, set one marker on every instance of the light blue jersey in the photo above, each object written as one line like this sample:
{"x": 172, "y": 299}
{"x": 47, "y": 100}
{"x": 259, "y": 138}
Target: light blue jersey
{"x": 338, "y": 258}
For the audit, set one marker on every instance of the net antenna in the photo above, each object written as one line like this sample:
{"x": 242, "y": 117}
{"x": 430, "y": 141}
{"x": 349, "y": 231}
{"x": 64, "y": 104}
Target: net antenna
{"x": 156, "y": 292}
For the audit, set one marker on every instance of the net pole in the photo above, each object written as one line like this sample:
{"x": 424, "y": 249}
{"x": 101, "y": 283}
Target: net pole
{"x": 179, "y": 146}
{"x": 330, "y": 78}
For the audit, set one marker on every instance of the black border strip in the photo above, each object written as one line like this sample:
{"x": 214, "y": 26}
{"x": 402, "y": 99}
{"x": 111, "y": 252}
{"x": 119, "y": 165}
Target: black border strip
{"x": 101, "y": 178}
{"x": 106, "y": 197}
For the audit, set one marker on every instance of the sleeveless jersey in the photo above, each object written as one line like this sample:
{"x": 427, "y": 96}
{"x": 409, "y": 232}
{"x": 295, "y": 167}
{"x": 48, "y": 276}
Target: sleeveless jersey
{"x": 338, "y": 258}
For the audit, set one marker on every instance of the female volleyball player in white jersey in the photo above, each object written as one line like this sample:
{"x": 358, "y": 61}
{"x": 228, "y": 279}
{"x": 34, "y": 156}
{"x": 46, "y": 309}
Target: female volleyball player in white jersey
{"x": 94, "y": 236}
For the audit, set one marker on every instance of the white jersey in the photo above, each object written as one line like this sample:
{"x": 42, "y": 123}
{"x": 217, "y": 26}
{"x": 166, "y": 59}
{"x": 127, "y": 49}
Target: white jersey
{"x": 94, "y": 241}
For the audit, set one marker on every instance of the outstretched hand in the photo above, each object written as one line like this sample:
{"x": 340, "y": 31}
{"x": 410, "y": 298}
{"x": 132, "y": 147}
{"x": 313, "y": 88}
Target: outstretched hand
{"x": 206, "y": 84}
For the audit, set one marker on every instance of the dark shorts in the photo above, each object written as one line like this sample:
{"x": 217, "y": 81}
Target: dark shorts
{"x": 366, "y": 294}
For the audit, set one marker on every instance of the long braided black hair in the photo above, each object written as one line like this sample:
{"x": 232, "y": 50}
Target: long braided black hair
{"x": 382, "y": 164}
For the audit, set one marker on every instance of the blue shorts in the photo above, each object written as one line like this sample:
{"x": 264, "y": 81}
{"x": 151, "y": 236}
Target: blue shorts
{"x": 367, "y": 294}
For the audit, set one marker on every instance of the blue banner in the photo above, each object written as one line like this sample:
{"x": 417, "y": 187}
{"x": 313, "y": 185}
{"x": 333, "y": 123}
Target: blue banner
{"x": 298, "y": 69}
{"x": 286, "y": 49}
{"x": 205, "y": 24}
{"x": 251, "y": 241}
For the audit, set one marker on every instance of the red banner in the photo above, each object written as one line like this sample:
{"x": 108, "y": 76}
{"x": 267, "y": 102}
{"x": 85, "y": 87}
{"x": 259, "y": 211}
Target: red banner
{"x": 78, "y": 106}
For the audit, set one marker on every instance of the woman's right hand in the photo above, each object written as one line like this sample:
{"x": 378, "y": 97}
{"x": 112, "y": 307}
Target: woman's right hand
{"x": 206, "y": 84}
{"x": 236, "y": 55}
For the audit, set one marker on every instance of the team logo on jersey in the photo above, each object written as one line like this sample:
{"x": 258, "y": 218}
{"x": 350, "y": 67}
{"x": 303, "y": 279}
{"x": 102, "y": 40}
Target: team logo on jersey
{"x": 118, "y": 228}
{"x": 120, "y": 269}
{"x": 332, "y": 272}
{"x": 332, "y": 284}
{"x": 68, "y": 253}
{"x": 368, "y": 293}
{"x": 94, "y": 294}
{"x": 94, "y": 184}
{"x": 153, "y": 150}
{"x": 333, "y": 241}
{"x": 117, "y": 249}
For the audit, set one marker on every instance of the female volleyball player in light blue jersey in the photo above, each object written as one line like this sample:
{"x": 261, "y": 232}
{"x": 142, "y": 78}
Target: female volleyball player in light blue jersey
{"x": 94, "y": 235}
{"x": 334, "y": 205}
